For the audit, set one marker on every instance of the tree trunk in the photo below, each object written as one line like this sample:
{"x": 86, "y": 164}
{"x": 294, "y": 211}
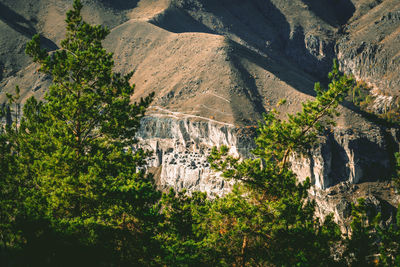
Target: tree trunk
{"x": 244, "y": 246}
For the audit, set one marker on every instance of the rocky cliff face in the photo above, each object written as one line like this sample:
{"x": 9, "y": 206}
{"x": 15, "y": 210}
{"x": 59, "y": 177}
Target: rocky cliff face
{"x": 350, "y": 156}
{"x": 369, "y": 47}
{"x": 343, "y": 167}
{"x": 216, "y": 66}
{"x": 181, "y": 145}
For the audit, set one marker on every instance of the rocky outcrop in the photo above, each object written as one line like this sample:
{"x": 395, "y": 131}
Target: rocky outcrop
{"x": 369, "y": 48}
{"x": 380, "y": 197}
{"x": 181, "y": 144}
{"x": 346, "y": 165}
{"x": 181, "y": 147}
{"x": 350, "y": 156}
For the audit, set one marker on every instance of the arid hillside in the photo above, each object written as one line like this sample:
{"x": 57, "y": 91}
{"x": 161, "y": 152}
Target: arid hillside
{"x": 229, "y": 60}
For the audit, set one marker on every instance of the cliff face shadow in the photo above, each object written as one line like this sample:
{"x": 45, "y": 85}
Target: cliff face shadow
{"x": 339, "y": 170}
{"x": 250, "y": 90}
{"x": 371, "y": 117}
{"x": 365, "y": 159}
{"x": 16, "y": 21}
{"x": 388, "y": 211}
{"x": 120, "y": 4}
{"x": 22, "y": 25}
{"x": 374, "y": 166}
{"x": 257, "y": 22}
{"x": 178, "y": 21}
{"x": 1, "y": 70}
{"x": 308, "y": 59}
{"x": 333, "y": 12}
{"x": 285, "y": 72}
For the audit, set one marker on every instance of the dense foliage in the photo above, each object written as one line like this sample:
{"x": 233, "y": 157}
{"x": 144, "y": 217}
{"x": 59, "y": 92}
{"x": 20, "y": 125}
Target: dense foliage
{"x": 79, "y": 189}
{"x": 74, "y": 192}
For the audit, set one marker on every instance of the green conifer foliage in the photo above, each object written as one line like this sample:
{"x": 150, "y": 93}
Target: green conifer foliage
{"x": 280, "y": 223}
{"x": 180, "y": 233}
{"x": 83, "y": 187}
{"x": 9, "y": 183}
{"x": 361, "y": 246}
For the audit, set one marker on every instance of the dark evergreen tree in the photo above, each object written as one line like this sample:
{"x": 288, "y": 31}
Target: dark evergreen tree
{"x": 361, "y": 247}
{"x": 9, "y": 183}
{"x": 86, "y": 199}
{"x": 181, "y": 234}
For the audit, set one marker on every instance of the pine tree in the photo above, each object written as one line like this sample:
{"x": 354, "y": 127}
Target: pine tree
{"x": 362, "y": 247}
{"x": 180, "y": 233}
{"x": 279, "y": 222}
{"x": 85, "y": 190}
{"x": 9, "y": 205}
